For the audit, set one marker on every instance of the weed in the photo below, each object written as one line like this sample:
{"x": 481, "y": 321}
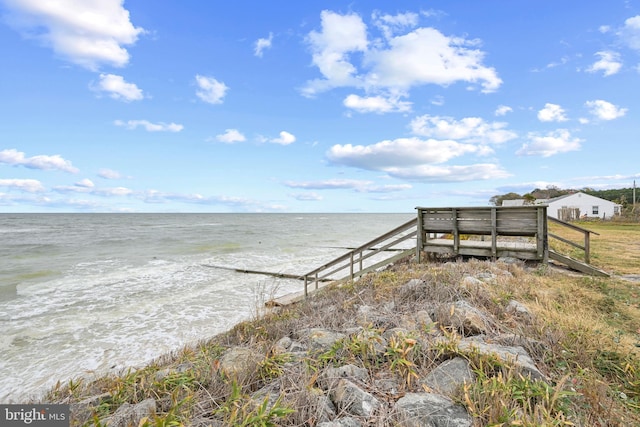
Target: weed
{"x": 366, "y": 345}
{"x": 508, "y": 398}
{"x": 272, "y": 366}
{"x": 400, "y": 352}
{"x": 240, "y": 410}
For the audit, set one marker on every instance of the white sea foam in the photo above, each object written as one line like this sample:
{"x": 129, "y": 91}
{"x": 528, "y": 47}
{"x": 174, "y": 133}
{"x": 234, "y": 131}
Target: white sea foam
{"x": 130, "y": 288}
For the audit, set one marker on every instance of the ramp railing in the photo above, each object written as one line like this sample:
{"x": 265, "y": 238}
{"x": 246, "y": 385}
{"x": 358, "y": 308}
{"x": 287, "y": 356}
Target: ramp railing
{"x": 353, "y": 262}
{"x": 584, "y": 245}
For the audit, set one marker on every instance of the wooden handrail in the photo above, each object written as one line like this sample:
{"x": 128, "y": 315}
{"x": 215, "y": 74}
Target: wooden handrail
{"x": 355, "y": 257}
{"x": 586, "y": 247}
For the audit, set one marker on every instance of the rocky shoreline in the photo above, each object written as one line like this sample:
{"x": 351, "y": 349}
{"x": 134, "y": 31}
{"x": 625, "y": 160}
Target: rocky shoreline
{"x": 415, "y": 345}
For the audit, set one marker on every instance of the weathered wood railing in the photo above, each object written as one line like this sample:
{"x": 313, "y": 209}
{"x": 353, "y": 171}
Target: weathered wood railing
{"x": 353, "y": 261}
{"x": 493, "y": 221}
{"x": 586, "y": 242}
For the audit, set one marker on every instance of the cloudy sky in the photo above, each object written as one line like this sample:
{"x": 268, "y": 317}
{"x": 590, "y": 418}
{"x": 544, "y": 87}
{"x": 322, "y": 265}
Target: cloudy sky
{"x": 310, "y": 106}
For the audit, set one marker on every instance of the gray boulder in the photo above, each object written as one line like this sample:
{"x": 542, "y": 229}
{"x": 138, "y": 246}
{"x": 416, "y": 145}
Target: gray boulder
{"x": 329, "y": 378}
{"x": 515, "y": 355}
{"x": 353, "y": 400}
{"x": 320, "y": 339}
{"x": 463, "y": 317}
{"x": 430, "y": 410}
{"x": 449, "y": 376}
{"x": 240, "y": 362}
{"x": 342, "y": 422}
{"x": 131, "y": 415}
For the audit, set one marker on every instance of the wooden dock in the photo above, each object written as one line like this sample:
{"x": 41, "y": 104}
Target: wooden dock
{"x": 491, "y": 232}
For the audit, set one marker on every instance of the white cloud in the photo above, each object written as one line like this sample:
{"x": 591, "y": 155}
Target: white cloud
{"x": 559, "y": 141}
{"x": 43, "y": 162}
{"x": 329, "y": 184}
{"x": 285, "y": 138}
{"x": 116, "y": 191}
{"x": 376, "y": 104}
{"x": 470, "y": 129}
{"x": 109, "y": 174}
{"x": 118, "y": 88}
{"x": 552, "y": 113}
{"x": 399, "y": 152}
{"x": 452, "y": 173}
{"x": 426, "y": 56}
{"x": 340, "y": 35}
{"x": 210, "y": 90}
{"x": 150, "y": 127}
{"x": 262, "y": 44}
{"x": 307, "y": 197}
{"x": 502, "y": 110}
{"x": 396, "y": 63}
{"x": 609, "y": 63}
{"x": 604, "y": 110}
{"x": 392, "y": 24}
{"x": 630, "y": 33}
{"x": 85, "y": 183}
{"x": 89, "y": 33}
{"x": 361, "y": 186}
{"x": 28, "y": 185}
{"x": 231, "y": 136}
{"x": 389, "y": 188}
{"x": 438, "y": 100}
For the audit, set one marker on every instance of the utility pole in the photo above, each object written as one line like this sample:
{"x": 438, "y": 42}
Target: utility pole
{"x": 633, "y": 209}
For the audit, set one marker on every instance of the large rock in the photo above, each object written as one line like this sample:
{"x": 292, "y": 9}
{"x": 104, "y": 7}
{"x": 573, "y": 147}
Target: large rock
{"x": 322, "y": 408}
{"x": 82, "y": 411}
{"x": 287, "y": 345}
{"x": 449, "y": 376}
{"x": 320, "y": 339}
{"x": 463, "y": 317}
{"x": 131, "y": 415}
{"x": 431, "y": 410}
{"x": 353, "y": 400}
{"x": 519, "y": 310}
{"x": 514, "y": 355}
{"x": 342, "y": 422}
{"x": 329, "y": 378}
{"x": 240, "y": 362}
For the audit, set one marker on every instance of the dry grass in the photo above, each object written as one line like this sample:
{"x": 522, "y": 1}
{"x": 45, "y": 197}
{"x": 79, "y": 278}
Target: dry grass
{"x": 585, "y": 335}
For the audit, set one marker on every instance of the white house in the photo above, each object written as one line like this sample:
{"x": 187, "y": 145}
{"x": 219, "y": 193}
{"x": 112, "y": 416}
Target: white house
{"x": 580, "y": 205}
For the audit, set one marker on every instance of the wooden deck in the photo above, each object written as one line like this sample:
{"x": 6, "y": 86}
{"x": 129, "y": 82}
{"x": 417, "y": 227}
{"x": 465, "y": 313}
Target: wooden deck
{"x": 492, "y": 231}
{"x": 521, "y": 250}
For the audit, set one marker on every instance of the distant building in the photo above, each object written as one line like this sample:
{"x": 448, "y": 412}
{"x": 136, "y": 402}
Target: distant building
{"x": 513, "y": 202}
{"x": 580, "y": 205}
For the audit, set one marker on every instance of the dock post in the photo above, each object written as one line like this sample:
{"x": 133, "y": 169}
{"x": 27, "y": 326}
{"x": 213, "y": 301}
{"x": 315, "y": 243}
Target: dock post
{"x": 306, "y": 280}
{"x": 351, "y": 266}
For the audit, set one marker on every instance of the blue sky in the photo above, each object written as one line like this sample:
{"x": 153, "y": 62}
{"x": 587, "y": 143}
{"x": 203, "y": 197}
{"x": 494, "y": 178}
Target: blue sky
{"x": 309, "y": 106}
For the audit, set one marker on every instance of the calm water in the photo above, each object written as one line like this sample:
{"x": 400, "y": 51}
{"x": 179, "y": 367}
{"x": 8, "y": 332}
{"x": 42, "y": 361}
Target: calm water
{"x": 83, "y": 294}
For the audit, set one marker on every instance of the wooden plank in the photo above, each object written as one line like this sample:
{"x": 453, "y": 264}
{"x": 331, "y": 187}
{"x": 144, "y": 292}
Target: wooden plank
{"x": 294, "y": 297}
{"x": 266, "y": 273}
{"x": 577, "y": 265}
{"x": 494, "y": 233}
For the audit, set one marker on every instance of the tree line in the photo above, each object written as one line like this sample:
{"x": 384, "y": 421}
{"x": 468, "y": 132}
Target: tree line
{"x": 622, "y": 196}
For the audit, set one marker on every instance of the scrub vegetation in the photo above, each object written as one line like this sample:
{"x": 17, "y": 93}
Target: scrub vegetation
{"x": 586, "y": 332}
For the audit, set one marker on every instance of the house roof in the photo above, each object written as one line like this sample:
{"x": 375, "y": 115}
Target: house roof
{"x": 555, "y": 199}
{"x": 514, "y": 202}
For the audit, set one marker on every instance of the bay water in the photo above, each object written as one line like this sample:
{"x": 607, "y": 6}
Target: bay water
{"x": 82, "y": 295}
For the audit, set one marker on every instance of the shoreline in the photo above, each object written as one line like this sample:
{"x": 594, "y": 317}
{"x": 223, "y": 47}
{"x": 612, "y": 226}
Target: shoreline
{"x": 267, "y": 356}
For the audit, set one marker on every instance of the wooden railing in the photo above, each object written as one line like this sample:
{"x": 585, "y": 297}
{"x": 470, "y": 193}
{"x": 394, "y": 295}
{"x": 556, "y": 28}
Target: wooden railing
{"x": 585, "y": 244}
{"x": 494, "y": 221}
{"x": 353, "y": 261}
